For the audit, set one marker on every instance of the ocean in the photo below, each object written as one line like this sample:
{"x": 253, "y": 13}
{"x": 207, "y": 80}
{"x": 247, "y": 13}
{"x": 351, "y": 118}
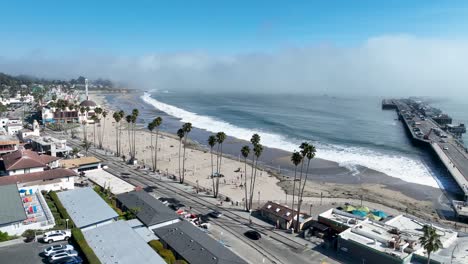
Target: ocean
{"x": 352, "y": 131}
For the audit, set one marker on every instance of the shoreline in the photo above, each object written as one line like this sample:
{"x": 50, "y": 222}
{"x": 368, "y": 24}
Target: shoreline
{"x": 326, "y": 177}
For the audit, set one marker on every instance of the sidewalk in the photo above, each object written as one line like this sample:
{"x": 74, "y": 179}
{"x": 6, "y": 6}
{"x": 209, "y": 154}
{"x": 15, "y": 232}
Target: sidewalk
{"x": 12, "y": 242}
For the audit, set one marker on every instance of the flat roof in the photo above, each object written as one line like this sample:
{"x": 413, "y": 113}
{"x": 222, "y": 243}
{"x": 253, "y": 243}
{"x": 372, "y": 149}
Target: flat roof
{"x": 86, "y": 207}
{"x": 142, "y": 230}
{"x": 75, "y": 163}
{"x": 151, "y": 210}
{"x": 117, "y": 242}
{"x": 195, "y": 246}
{"x": 342, "y": 217}
{"x": 8, "y": 140}
{"x": 11, "y": 206}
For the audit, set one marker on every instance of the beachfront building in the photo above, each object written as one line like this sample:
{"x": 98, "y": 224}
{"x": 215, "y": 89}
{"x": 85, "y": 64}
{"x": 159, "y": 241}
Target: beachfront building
{"x": 49, "y": 145}
{"x": 48, "y": 180}
{"x": 338, "y": 220}
{"x": 81, "y": 164}
{"x": 188, "y": 242}
{"x": 283, "y": 217}
{"x": 86, "y": 208}
{"x": 8, "y": 144}
{"x": 27, "y": 161}
{"x": 150, "y": 211}
{"x": 22, "y": 209}
{"x": 58, "y": 115}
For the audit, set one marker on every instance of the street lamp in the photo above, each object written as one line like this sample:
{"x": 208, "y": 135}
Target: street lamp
{"x": 66, "y": 220}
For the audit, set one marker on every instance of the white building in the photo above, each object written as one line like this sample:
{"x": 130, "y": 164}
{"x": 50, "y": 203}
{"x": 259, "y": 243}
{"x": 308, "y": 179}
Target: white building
{"x": 49, "y": 145}
{"x": 26, "y": 132}
{"x": 27, "y": 161}
{"x": 13, "y": 128}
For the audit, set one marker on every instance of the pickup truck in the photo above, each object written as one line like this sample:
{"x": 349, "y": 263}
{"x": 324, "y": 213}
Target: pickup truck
{"x": 57, "y": 235}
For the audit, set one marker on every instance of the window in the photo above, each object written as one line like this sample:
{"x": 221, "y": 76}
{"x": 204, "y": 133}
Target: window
{"x": 27, "y": 170}
{"x": 277, "y": 210}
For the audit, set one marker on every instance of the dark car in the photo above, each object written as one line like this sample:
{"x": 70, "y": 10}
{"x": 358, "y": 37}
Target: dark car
{"x": 254, "y": 235}
{"x": 216, "y": 214}
{"x": 68, "y": 260}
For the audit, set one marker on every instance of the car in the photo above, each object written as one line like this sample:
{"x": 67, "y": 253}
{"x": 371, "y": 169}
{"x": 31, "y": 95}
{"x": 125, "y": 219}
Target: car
{"x": 53, "y": 249}
{"x": 57, "y": 235}
{"x": 254, "y": 235}
{"x": 445, "y": 148}
{"x": 68, "y": 260}
{"x": 216, "y": 214}
{"x": 64, "y": 254}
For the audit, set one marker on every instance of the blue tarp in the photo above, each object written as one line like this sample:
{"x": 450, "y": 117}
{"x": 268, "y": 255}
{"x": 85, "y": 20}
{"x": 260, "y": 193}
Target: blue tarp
{"x": 359, "y": 213}
{"x": 379, "y": 214}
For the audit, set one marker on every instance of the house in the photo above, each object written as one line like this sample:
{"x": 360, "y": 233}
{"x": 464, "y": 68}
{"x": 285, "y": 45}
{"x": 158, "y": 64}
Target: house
{"x": 49, "y": 145}
{"x": 86, "y": 208}
{"x": 283, "y": 217}
{"x": 26, "y": 132}
{"x": 81, "y": 164}
{"x": 117, "y": 242}
{"x": 48, "y": 180}
{"x": 193, "y": 245}
{"x": 57, "y": 115}
{"x": 150, "y": 211}
{"x": 22, "y": 209}
{"x": 13, "y": 128}
{"x": 27, "y": 161}
{"x": 8, "y": 144}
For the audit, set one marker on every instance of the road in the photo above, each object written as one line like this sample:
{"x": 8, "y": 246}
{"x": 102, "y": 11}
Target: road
{"x": 274, "y": 247}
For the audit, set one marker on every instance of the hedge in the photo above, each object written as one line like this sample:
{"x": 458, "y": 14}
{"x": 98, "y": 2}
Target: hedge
{"x": 63, "y": 212}
{"x": 79, "y": 239}
{"x": 167, "y": 255}
{"x": 156, "y": 245}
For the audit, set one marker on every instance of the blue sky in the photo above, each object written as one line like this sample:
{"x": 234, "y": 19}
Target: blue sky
{"x": 142, "y": 27}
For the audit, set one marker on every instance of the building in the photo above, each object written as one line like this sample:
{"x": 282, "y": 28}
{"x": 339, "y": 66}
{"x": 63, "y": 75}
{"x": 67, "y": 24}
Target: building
{"x": 50, "y": 146}
{"x": 48, "y": 180}
{"x": 193, "y": 245}
{"x": 35, "y": 130}
{"x": 283, "y": 217}
{"x": 22, "y": 209}
{"x": 339, "y": 220}
{"x": 461, "y": 209}
{"x": 56, "y": 115}
{"x": 27, "y": 161}
{"x": 151, "y": 211}
{"x": 8, "y": 144}
{"x": 86, "y": 208}
{"x": 142, "y": 230}
{"x": 81, "y": 164}
{"x": 13, "y": 128}
{"x": 117, "y": 242}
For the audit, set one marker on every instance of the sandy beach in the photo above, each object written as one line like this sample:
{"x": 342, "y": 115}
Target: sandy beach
{"x": 326, "y": 179}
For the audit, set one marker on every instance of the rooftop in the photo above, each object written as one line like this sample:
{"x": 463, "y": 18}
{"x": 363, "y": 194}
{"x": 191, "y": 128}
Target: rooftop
{"x": 37, "y": 176}
{"x": 342, "y": 217}
{"x": 86, "y": 207}
{"x": 8, "y": 140}
{"x": 108, "y": 245}
{"x": 24, "y": 159}
{"x": 87, "y": 103}
{"x": 194, "y": 245}
{"x": 279, "y": 210}
{"x": 151, "y": 210}
{"x": 11, "y": 207}
{"x": 75, "y": 163}
{"x": 46, "y": 140}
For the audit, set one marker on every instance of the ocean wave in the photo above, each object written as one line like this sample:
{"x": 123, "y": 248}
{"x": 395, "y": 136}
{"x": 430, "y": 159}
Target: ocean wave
{"x": 405, "y": 168}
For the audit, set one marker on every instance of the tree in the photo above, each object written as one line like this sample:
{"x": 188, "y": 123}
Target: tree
{"x": 309, "y": 153}
{"x": 134, "y": 118}
{"x": 212, "y": 143}
{"x": 220, "y": 137}
{"x": 102, "y": 129}
{"x": 255, "y": 140}
{"x": 97, "y": 119}
{"x": 86, "y": 145}
{"x": 245, "y": 150}
{"x": 430, "y": 241}
{"x": 151, "y": 127}
{"x": 75, "y": 151}
{"x": 157, "y": 122}
{"x": 117, "y": 117}
{"x": 258, "y": 149}
{"x": 180, "y": 134}
{"x": 187, "y": 127}
{"x": 296, "y": 159}
{"x": 128, "y": 118}
{"x": 85, "y": 130}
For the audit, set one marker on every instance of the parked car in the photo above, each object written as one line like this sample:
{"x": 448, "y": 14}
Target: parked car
{"x": 216, "y": 214}
{"x": 445, "y": 148}
{"x": 254, "y": 235}
{"x": 68, "y": 260}
{"x": 55, "y": 248}
{"x": 57, "y": 235}
{"x": 64, "y": 254}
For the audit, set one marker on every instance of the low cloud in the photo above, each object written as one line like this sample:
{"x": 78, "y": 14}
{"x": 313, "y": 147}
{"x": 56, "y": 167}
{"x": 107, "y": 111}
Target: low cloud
{"x": 388, "y": 65}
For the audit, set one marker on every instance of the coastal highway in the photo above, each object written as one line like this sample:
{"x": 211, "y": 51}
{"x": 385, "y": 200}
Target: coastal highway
{"x": 274, "y": 247}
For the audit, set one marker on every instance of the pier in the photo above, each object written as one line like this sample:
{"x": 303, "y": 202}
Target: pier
{"x": 423, "y": 129}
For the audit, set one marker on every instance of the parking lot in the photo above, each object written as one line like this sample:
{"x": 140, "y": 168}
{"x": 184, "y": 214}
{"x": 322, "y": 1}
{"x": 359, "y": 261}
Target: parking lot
{"x": 26, "y": 253}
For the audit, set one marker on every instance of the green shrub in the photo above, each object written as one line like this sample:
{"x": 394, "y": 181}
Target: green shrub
{"x": 156, "y": 245}
{"x": 181, "y": 261}
{"x": 79, "y": 239}
{"x": 167, "y": 255}
{"x": 4, "y": 236}
{"x": 29, "y": 233}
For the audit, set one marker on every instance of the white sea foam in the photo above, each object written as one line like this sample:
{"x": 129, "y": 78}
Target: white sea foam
{"x": 405, "y": 168}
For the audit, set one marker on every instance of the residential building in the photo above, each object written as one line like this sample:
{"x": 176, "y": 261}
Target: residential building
{"x": 12, "y": 213}
{"x": 81, "y": 164}
{"x": 35, "y": 130}
{"x": 339, "y": 220}
{"x": 13, "y": 128}
{"x": 142, "y": 230}
{"x": 56, "y": 115}
{"x": 86, "y": 208}
{"x": 48, "y": 180}
{"x": 50, "y": 146}
{"x": 117, "y": 242}
{"x": 27, "y": 161}
{"x": 8, "y": 144}
{"x": 151, "y": 211}
{"x": 194, "y": 246}
{"x": 283, "y": 217}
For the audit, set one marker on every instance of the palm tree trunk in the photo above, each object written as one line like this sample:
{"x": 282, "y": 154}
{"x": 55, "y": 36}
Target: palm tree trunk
{"x": 301, "y": 194}
{"x": 251, "y": 181}
{"x": 180, "y": 175}
{"x": 253, "y": 185}
{"x": 247, "y": 207}
{"x": 117, "y": 138}
{"x": 212, "y": 172}
{"x": 94, "y": 134}
{"x": 152, "y": 146}
{"x": 156, "y": 152}
{"x": 215, "y": 194}
{"x": 183, "y": 160}
{"x": 294, "y": 187}
{"x": 428, "y": 257}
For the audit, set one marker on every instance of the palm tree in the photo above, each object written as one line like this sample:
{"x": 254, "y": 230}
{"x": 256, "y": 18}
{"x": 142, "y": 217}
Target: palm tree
{"x": 95, "y": 119}
{"x": 128, "y": 118}
{"x": 151, "y": 127}
{"x": 103, "y": 129}
{"x": 157, "y": 122}
{"x": 135, "y": 114}
{"x": 117, "y": 117}
{"x": 258, "y": 149}
{"x": 220, "y": 137}
{"x": 180, "y": 134}
{"x": 122, "y": 115}
{"x": 245, "y": 150}
{"x": 212, "y": 143}
{"x": 430, "y": 241}
{"x": 255, "y": 140}
{"x": 187, "y": 127}
{"x": 296, "y": 159}
{"x": 309, "y": 153}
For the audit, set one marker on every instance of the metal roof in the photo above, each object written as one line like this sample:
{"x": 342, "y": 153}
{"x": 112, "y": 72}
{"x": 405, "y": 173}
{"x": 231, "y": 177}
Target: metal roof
{"x": 150, "y": 210}
{"x": 118, "y": 243}
{"x": 194, "y": 245}
{"x": 86, "y": 207}
{"x": 11, "y": 207}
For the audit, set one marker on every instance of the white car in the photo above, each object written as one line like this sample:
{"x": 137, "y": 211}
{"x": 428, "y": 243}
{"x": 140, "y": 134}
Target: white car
{"x": 64, "y": 254}
{"x": 445, "y": 148}
{"x": 58, "y": 235}
{"x": 55, "y": 248}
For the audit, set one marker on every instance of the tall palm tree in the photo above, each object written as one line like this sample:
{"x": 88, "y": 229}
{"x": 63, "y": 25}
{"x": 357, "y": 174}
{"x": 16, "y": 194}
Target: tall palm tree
{"x": 258, "y": 149}
{"x": 309, "y": 153}
{"x": 187, "y": 127}
{"x": 296, "y": 159}
{"x": 122, "y": 115}
{"x": 128, "y": 118}
{"x": 151, "y": 127}
{"x": 103, "y": 128}
{"x": 180, "y": 134}
{"x": 96, "y": 120}
{"x": 134, "y": 118}
{"x": 212, "y": 143}
{"x": 220, "y": 137}
{"x": 245, "y": 150}
{"x": 117, "y": 119}
{"x": 430, "y": 241}
{"x": 97, "y": 114}
{"x": 157, "y": 122}
{"x": 255, "y": 140}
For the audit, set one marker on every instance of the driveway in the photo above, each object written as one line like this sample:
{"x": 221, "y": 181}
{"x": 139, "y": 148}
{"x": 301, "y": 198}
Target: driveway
{"x": 25, "y": 253}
